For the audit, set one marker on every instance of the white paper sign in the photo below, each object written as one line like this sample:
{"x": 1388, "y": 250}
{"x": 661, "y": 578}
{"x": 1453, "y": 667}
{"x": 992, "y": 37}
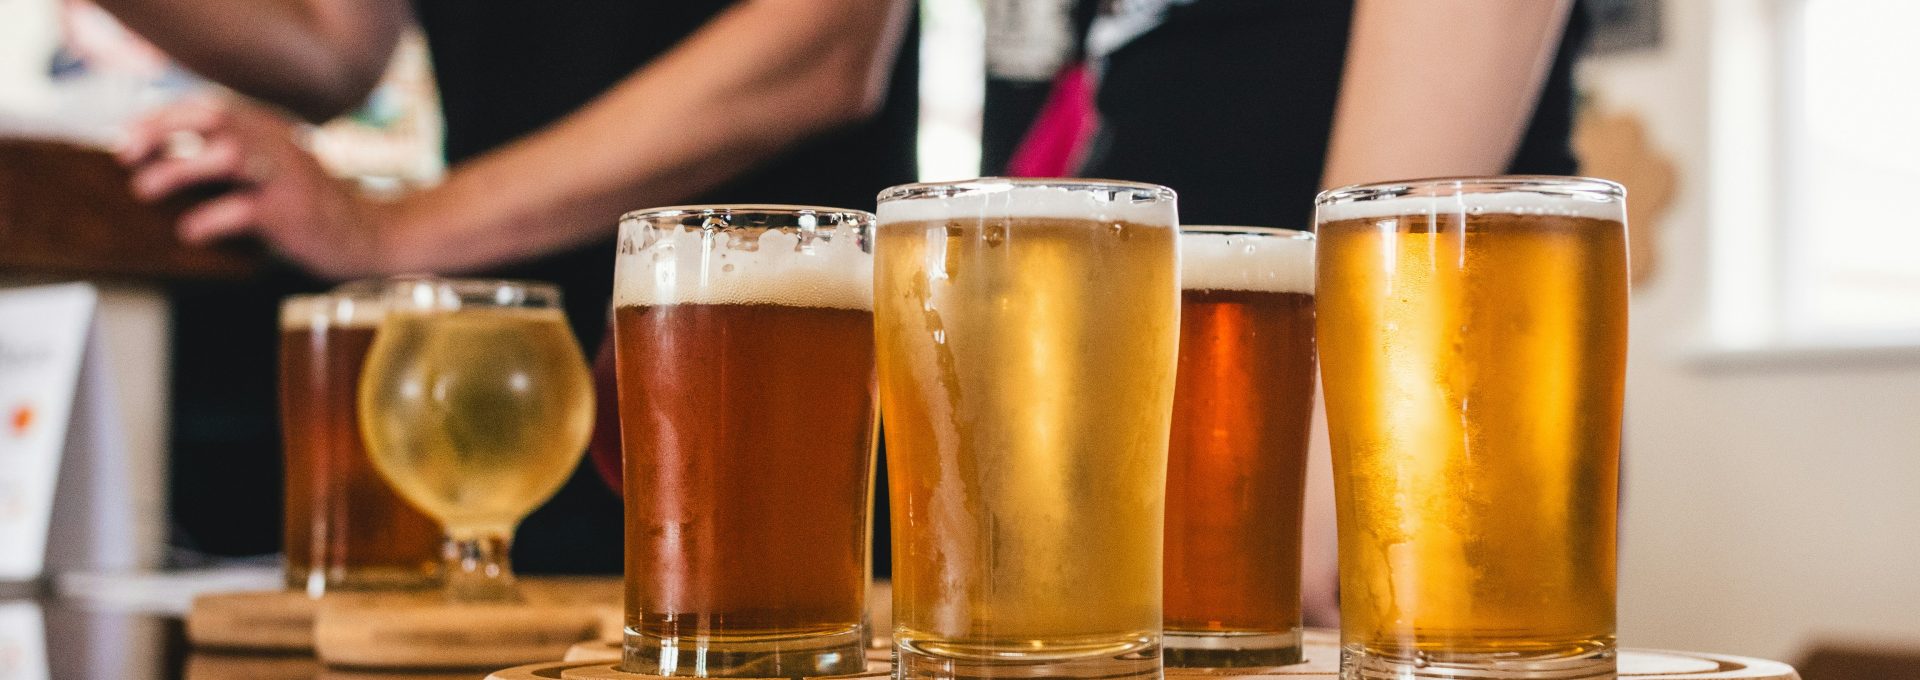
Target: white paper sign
{"x": 23, "y": 642}
{"x": 43, "y": 334}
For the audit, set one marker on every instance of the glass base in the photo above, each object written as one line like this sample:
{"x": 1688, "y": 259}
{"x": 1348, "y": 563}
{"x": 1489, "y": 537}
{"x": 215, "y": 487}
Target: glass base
{"x": 366, "y": 579}
{"x": 1590, "y": 661}
{"x": 1133, "y": 658}
{"x": 1197, "y": 649}
{"x": 794, "y": 656}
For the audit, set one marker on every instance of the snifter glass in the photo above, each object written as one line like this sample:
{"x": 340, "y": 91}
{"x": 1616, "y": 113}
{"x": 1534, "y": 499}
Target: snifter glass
{"x": 476, "y": 405}
{"x": 1473, "y": 340}
{"x": 1236, "y": 468}
{"x": 1026, "y": 332}
{"x": 744, "y": 350}
{"x": 345, "y": 527}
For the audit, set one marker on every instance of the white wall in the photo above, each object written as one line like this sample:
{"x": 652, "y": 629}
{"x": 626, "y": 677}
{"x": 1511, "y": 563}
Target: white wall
{"x": 1771, "y": 501}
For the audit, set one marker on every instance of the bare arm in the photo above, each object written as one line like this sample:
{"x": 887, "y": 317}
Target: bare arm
{"x": 317, "y": 58}
{"x": 760, "y": 77}
{"x": 1439, "y": 87}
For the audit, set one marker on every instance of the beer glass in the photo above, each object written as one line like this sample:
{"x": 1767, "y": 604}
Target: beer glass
{"x": 476, "y": 405}
{"x": 744, "y": 350}
{"x": 1026, "y": 335}
{"x": 1473, "y": 337}
{"x": 345, "y": 526}
{"x": 1237, "y": 464}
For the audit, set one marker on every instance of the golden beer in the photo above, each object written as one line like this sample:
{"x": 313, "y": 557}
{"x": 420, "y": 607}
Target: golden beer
{"x": 744, "y": 339}
{"x": 345, "y": 526}
{"x": 476, "y": 410}
{"x": 1473, "y": 346}
{"x": 1026, "y": 335}
{"x": 1236, "y": 467}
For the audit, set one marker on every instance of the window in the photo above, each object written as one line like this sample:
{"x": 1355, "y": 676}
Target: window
{"x": 1849, "y": 240}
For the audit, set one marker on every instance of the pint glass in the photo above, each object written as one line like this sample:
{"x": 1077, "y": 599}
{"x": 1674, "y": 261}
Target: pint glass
{"x": 1473, "y": 337}
{"x": 744, "y": 344}
{"x": 1026, "y": 333}
{"x": 1237, "y": 465}
{"x": 345, "y": 527}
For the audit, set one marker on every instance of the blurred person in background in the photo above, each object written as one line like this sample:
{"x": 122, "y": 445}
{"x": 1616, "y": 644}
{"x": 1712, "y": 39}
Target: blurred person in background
{"x": 558, "y": 118}
{"x": 1248, "y": 108}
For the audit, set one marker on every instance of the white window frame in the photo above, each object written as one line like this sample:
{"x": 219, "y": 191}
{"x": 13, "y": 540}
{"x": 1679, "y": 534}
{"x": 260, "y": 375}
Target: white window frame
{"x": 1754, "y": 138}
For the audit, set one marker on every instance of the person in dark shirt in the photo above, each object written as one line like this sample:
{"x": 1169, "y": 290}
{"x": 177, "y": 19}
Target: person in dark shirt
{"x": 1249, "y": 107}
{"x": 559, "y": 117}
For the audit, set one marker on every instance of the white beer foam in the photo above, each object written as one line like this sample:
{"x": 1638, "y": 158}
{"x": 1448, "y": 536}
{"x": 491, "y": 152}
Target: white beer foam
{"x": 1263, "y": 264}
{"x": 1000, "y": 200}
{"x": 302, "y": 312}
{"x": 682, "y": 268}
{"x": 1505, "y": 202}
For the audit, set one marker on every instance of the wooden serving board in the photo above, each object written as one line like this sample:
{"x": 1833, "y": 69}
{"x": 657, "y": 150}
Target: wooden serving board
{"x": 255, "y": 666}
{"x": 275, "y": 621}
{"x": 424, "y": 631}
{"x": 290, "y": 621}
{"x": 597, "y": 661}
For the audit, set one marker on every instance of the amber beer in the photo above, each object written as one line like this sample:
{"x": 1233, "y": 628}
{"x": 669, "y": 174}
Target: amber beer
{"x": 744, "y": 343}
{"x": 1237, "y": 464}
{"x": 1026, "y": 334}
{"x": 1473, "y": 344}
{"x": 345, "y": 527}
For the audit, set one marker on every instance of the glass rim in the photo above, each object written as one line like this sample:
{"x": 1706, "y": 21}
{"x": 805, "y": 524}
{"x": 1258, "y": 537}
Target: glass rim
{"x": 541, "y": 294}
{"x": 1233, "y": 230}
{"x": 980, "y": 185}
{"x": 704, "y": 209}
{"x": 1568, "y": 186}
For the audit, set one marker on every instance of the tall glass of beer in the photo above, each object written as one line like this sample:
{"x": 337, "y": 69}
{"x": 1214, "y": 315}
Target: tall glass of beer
{"x": 476, "y": 405}
{"x": 1237, "y": 465}
{"x": 1027, "y": 335}
{"x": 345, "y": 526}
{"x": 744, "y": 350}
{"x": 1473, "y": 337}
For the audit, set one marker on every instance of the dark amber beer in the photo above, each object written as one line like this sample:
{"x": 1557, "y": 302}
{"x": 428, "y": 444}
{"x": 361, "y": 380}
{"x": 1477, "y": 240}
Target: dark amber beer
{"x": 345, "y": 526}
{"x": 1236, "y": 466}
{"x": 1473, "y": 348}
{"x": 1027, "y": 332}
{"x": 744, "y": 343}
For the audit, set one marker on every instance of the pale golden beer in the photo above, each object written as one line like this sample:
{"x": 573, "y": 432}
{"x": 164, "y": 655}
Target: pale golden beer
{"x": 1237, "y": 464}
{"x": 1026, "y": 334}
{"x": 744, "y": 341}
{"x": 477, "y": 405}
{"x": 1473, "y": 347}
{"x": 345, "y": 527}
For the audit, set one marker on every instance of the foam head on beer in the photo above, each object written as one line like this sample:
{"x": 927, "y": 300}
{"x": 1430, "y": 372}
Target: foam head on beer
{"x": 1227, "y": 258}
{"x": 822, "y": 262}
{"x": 1598, "y": 206}
{"x": 305, "y": 312}
{"x": 1142, "y": 204}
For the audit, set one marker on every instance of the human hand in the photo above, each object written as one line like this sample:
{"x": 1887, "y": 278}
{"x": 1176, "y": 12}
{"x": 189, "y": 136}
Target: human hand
{"x": 272, "y": 187}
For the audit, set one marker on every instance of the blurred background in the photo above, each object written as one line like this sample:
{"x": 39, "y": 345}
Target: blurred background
{"x": 1770, "y": 147}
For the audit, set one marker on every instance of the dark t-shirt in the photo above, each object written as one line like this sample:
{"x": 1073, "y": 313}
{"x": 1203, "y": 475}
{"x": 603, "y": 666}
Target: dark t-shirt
{"x": 504, "y": 69}
{"x": 1230, "y": 103}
